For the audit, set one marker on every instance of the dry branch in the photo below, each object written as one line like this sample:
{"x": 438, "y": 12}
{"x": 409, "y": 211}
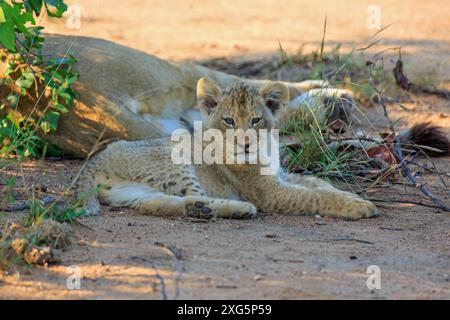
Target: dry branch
{"x": 27, "y": 205}
{"x": 418, "y": 203}
{"x": 397, "y": 146}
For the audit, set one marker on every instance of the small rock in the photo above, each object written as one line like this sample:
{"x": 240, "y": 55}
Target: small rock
{"x": 257, "y": 277}
{"x": 317, "y": 216}
{"x": 271, "y": 235}
{"x": 321, "y": 223}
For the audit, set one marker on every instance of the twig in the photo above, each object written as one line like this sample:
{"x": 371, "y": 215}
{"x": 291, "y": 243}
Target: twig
{"x": 436, "y": 171}
{"x": 429, "y": 169}
{"x": 161, "y": 281}
{"x": 226, "y": 286}
{"x": 398, "y": 150}
{"x": 322, "y": 43}
{"x": 340, "y": 239}
{"x": 438, "y": 92}
{"x": 83, "y": 225}
{"x": 391, "y": 229}
{"x": 419, "y": 203}
{"x": 176, "y": 253}
{"x": 356, "y": 139}
{"x": 27, "y": 205}
{"x": 158, "y": 276}
{"x": 422, "y": 187}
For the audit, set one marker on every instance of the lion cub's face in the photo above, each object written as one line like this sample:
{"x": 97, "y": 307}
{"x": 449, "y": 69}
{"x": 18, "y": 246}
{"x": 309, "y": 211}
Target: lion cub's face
{"x": 240, "y": 109}
{"x": 240, "y": 106}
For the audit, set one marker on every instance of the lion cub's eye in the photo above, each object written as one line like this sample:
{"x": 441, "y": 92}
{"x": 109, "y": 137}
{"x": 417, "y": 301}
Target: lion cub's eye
{"x": 255, "y": 121}
{"x": 229, "y": 121}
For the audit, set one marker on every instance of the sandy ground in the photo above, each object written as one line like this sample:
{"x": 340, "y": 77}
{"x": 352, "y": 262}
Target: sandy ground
{"x": 199, "y": 29}
{"x": 271, "y": 256}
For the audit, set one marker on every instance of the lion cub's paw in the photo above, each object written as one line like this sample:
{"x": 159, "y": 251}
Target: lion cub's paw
{"x": 358, "y": 209}
{"x": 244, "y": 210}
{"x": 207, "y": 209}
{"x": 199, "y": 209}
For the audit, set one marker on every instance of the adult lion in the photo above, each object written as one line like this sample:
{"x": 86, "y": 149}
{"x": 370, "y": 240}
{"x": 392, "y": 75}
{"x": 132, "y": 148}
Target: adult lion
{"x": 128, "y": 94}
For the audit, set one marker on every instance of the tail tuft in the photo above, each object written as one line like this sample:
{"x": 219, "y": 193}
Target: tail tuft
{"x": 428, "y": 135}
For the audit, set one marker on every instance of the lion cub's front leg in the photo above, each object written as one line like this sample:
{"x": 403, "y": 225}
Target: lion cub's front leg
{"x": 202, "y": 207}
{"x": 314, "y": 198}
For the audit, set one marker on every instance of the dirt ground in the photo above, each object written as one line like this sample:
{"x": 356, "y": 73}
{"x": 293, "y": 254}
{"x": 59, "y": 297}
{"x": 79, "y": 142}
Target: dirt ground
{"x": 271, "y": 257}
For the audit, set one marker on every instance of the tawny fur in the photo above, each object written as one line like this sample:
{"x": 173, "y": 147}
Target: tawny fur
{"x": 142, "y": 175}
{"x": 125, "y": 94}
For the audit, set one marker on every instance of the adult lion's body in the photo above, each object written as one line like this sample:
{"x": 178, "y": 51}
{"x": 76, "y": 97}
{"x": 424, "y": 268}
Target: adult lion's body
{"x": 118, "y": 86}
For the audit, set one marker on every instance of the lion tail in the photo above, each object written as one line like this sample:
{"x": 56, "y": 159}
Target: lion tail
{"x": 427, "y": 137}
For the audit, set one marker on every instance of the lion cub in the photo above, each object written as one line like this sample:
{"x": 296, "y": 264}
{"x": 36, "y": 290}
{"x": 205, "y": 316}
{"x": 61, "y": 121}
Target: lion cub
{"x": 142, "y": 175}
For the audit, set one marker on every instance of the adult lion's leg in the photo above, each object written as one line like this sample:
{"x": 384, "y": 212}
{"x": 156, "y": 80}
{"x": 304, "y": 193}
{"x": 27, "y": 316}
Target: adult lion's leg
{"x": 114, "y": 97}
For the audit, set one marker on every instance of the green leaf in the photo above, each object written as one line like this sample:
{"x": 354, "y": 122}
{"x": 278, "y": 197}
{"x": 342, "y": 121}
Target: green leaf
{"x": 26, "y": 80}
{"x": 2, "y": 15}
{"x": 9, "y": 68}
{"x": 49, "y": 80}
{"x": 60, "y": 107}
{"x": 13, "y": 99}
{"x": 67, "y": 94}
{"x": 14, "y": 14}
{"x": 17, "y": 22}
{"x": 50, "y": 121}
{"x": 72, "y": 79}
{"x": 8, "y": 36}
{"x": 34, "y": 5}
{"x": 55, "y": 8}
{"x": 58, "y": 76}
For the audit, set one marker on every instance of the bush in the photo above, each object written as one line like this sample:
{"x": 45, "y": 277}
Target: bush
{"x": 28, "y": 74}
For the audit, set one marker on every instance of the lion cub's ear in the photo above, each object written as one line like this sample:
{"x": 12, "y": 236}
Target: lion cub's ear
{"x": 275, "y": 95}
{"x": 208, "y": 94}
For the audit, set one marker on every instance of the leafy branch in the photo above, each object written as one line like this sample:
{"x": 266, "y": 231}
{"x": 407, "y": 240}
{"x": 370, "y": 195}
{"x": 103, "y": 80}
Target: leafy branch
{"x": 25, "y": 72}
